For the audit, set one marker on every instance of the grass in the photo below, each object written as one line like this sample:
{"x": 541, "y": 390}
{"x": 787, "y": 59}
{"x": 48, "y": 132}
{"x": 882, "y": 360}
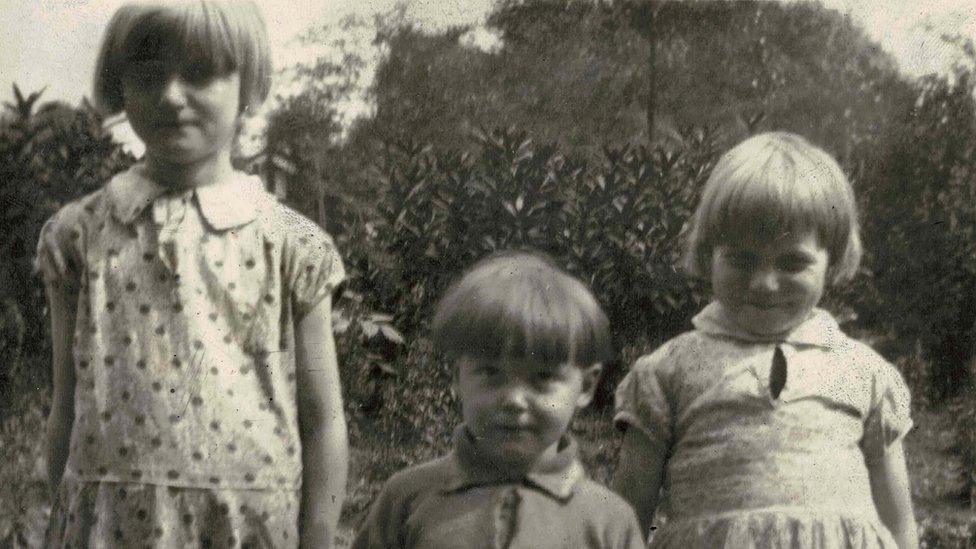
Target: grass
{"x": 935, "y": 467}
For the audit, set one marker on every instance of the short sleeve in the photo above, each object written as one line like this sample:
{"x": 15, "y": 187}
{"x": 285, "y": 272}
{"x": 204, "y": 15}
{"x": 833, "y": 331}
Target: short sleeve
{"x": 627, "y": 532}
{"x": 642, "y": 399}
{"x": 382, "y": 527}
{"x": 889, "y": 417}
{"x": 313, "y": 268}
{"x": 62, "y": 235}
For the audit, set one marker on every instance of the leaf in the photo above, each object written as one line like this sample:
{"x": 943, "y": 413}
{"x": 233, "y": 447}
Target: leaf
{"x": 369, "y": 329}
{"x": 392, "y": 334}
{"x": 386, "y": 368}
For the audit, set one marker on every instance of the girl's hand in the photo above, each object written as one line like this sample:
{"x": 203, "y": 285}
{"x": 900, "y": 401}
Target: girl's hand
{"x": 61, "y": 419}
{"x": 315, "y": 536}
{"x": 640, "y": 471}
{"x": 892, "y": 495}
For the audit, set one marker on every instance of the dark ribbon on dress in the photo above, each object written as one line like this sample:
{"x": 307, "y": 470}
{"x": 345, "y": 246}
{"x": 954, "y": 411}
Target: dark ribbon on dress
{"x": 777, "y": 375}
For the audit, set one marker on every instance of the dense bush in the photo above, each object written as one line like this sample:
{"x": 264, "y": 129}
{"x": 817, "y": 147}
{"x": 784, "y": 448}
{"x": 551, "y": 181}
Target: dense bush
{"x": 577, "y": 72}
{"x": 614, "y": 222}
{"x": 920, "y": 225}
{"x": 47, "y": 157}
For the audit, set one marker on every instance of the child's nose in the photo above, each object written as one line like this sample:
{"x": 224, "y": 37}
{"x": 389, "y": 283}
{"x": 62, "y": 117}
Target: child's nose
{"x": 174, "y": 90}
{"x": 515, "y": 396}
{"x": 763, "y": 280}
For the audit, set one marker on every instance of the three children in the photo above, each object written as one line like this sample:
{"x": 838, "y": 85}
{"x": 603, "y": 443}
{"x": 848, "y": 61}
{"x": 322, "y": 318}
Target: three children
{"x": 196, "y": 395}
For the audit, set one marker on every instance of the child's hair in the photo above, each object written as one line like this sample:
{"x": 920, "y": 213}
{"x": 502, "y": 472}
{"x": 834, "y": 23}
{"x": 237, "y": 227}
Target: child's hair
{"x": 521, "y": 305}
{"x": 771, "y": 185}
{"x": 215, "y": 36}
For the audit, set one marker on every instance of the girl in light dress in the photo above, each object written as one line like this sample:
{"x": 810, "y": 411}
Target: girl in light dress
{"x": 196, "y": 393}
{"x": 766, "y": 424}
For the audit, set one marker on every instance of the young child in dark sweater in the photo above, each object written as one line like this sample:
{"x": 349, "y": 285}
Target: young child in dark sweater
{"x": 528, "y": 342}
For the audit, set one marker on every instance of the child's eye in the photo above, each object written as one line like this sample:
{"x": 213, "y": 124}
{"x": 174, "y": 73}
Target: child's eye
{"x": 197, "y": 74}
{"x": 792, "y": 264}
{"x": 147, "y": 71}
{"x": 544, "y": 378}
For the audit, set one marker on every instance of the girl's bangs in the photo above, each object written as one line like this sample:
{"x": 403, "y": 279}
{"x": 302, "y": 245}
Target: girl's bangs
{"x": 191, "y": 32}
{"x": 770, "y": 203}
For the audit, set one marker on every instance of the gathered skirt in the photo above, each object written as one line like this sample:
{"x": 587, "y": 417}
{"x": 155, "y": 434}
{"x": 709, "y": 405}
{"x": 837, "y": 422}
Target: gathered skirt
{"x": 119, "y": 514}
{"x": 793, "y": 528}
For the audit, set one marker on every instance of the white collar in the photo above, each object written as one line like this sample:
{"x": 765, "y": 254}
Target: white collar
{"x": 231, "y": 202}
{"x": 819, "y": 329}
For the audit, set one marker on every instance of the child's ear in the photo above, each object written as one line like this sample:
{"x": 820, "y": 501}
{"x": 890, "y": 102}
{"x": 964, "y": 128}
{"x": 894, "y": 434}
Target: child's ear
{"x": 591, "y": 378}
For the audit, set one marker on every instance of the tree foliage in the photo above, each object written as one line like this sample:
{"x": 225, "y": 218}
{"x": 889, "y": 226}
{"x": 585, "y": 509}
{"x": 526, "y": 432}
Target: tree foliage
{"x": 575, "y": 72}
{"x": 48, "y": 156}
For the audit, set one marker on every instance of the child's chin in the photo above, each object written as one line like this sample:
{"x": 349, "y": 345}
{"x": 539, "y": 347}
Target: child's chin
{"x": 769, "y": 324}
{"x": 513, "y": 455}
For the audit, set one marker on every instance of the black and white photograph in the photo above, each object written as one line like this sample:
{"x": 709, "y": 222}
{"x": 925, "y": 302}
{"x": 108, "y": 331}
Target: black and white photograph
{"x": 488, "y": 274}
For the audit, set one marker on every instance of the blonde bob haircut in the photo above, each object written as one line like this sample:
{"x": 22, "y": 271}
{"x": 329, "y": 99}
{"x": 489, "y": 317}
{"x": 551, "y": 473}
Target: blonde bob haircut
{"x": 211, "y": 37}
{"x": 521, "y": 305}
{"x": 770, "y": 186}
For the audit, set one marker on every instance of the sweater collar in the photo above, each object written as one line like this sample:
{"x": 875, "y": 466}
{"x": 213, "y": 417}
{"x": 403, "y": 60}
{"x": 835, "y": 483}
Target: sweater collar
{"x": 556, "y": 477}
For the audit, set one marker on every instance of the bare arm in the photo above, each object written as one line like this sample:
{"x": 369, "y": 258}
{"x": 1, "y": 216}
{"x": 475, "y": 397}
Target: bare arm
{"x": 62, "y": 303}
{"x": 892, "y": 496}
{"x": 639, "y": 474}
{"x": 325, "y": 449}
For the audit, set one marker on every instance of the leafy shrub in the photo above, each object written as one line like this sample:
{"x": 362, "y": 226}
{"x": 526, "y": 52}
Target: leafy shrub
{"x": 920, "y": 227}
{"x": 615, "y": 223}
{"x": 47, "y": 158}
{"x": 368, "y": 346}
{"x": 967, "y": 449}
{"x": 12, "y": 331}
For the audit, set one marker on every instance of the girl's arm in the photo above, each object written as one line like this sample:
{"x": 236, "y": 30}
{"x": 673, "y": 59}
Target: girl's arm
{"x": 325, "y": 449}
{"x": 892, "y": 495}
{"x": 62, "y": 303}
{"x": 639, "y": 474}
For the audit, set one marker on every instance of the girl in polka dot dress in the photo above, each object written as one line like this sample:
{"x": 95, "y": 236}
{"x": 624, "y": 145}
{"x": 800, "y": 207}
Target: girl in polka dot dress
{"x": 196, "y": 395}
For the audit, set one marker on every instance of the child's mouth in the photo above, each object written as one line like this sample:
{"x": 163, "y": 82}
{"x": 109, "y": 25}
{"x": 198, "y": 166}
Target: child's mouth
{"x": 510, "y": 429}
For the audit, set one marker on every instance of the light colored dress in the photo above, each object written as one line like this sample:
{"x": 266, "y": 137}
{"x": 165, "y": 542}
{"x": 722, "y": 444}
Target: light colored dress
{"x": 185, "y": 398}
{"x": 747, "y": 470}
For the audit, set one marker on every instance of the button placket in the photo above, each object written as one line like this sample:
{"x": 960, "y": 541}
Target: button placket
{"x": 778, "y": 374}
{"x": 505, "y": 517}
{"x": 169, "y": 213}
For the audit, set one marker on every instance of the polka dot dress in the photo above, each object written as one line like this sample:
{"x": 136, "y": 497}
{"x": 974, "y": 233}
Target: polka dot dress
{"x": 105, "y": 514}
{"x": 184, "y": 351}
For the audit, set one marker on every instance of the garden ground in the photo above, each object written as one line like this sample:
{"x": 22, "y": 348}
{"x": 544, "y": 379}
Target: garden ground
{"x": 936, "y": 472}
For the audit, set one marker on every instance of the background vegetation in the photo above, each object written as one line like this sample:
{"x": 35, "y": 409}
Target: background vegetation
{"x": 544, "y": 143}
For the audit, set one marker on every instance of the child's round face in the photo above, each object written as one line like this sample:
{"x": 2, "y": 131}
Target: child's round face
{"x": 183, "y": 116}
{"x": 519, "y": 409}
{"x": 769, "y": 288}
